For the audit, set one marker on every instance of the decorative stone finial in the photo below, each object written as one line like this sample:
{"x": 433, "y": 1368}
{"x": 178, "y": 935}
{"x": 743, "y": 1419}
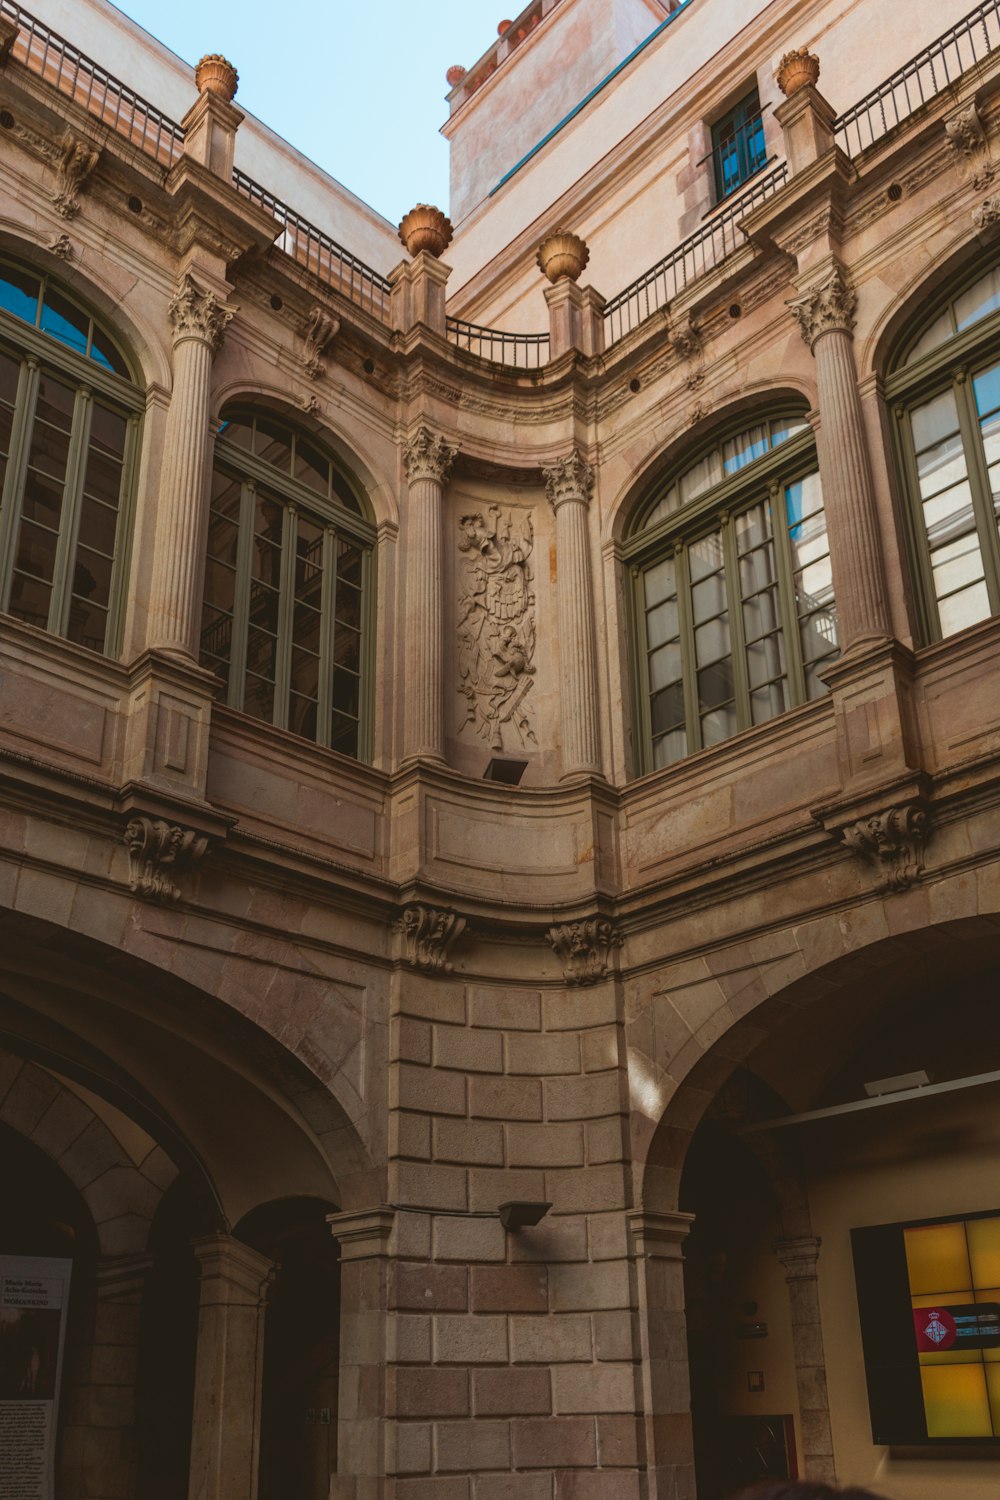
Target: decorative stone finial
{"x": 215, "y": 74}
{"x": 454, "y": 75}
{"x": 425, "y": 228}
{"x": 796, "y": 69}
{"x": 503, "y": 26}
{"x": 562, "y": 255}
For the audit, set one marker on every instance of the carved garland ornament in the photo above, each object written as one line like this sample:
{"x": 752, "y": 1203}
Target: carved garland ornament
{"x": 320, "y": 331}
{"x": 826, "y": 308}
{"x": 77, "y": 159}
{"x": 584, "y": 949}
{"x": 496, "y": 624}
{"x": 967, "y": 135}
{"x": 892, "y": 841}
{"x": 198, "y": 313}
{"x": 157, "y": 851}
{"x": 429, "y": 934}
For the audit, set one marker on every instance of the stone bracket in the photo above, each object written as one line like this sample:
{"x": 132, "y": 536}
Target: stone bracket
{"x": 159, "y": 851}
{"x": 893, "y": 841}
{"x": 970, "y": 145}
{"x": 77, "y": 159}
{"x": 429, "y": 933}
{"x": 321, "y": 328}
{"x": 585, "y": 949}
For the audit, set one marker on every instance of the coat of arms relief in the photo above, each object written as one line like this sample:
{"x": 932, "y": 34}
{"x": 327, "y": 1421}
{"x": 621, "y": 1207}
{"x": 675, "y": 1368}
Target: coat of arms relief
{"x": 496, "y": 624}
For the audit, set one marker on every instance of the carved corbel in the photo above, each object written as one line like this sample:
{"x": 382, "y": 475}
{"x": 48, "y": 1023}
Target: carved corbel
{"x": 320, "y": 331}
{"x": 157, "y": 852}
{"x": 77, "y": 160}
{"x": 689, "y": 345}
{"x": 987, "y": 215}
{"x": 967, "y": 135}
{"x": 892, "y": 841}
{"x": 584, "y": 949}
{"x": 429, "y": 934}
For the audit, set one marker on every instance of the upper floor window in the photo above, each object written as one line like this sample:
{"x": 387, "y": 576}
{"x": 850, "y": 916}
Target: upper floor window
{"x": 946, "y": 391}
{"x": 69, "y": 420}
{"x": 738, "y": 147}
{"x": 288, "y": 584}
{"x": 732, "y": 592}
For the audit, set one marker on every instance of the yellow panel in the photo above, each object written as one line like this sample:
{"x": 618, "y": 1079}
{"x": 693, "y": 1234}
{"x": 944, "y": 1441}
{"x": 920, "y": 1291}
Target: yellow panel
{"x": 937, "y": 1258}
{"x": 953, "y": 1299}
{"x": 984, "y": 1251}
{"x": 950, "y": 1357}
{"x": 993, "y": 1387}
{"x": 956, "y": 1403}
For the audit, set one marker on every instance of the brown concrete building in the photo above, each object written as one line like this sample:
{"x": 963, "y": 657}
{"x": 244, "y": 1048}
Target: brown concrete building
{"x": 467, "y": 740}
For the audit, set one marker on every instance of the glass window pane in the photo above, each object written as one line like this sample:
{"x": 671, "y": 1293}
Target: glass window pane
{"x": 302, "y": 714}
{"x": 987, "y": 389}
{"x": 939, "y": 332}
{"x": 739, "y": 451}
{"x": 708, "y": 597}
{"x": 29, "y": 600}
{"x": 88, "y": 623}
{"x": 979, "y": 301}
{"x": 65, "y": 322}
{"x": 934, "y": 420}
{"x": 669, "y": 748}
{"x": 705, "y": 556}
{"x": 104, "y": 352}
{"x": 344, "y": 734}
{"x": 347, "y": 648}
{"x": 660, "y": 582}
{"x": 273, "y": 443}
{"x": 345, "y": 691}
{"x": 311, "y": 468}
{"x": 957, "y": 564}
{"x": 715, "y": 684}
{"x": 349, "y": 563}
{"x": 766, "y": 702}
{"x": 718, "y": 725}
{"x": 92, "y": 576}
{"x": 664, "y": 666}
{"x": 964, "y": 609}
{"x": 711, "y": 641}
{"x": 700, "y": 477}
{"x": 258, "y": 698}
{"x": 664, "y": 507}
{"x": 19, "y": 294}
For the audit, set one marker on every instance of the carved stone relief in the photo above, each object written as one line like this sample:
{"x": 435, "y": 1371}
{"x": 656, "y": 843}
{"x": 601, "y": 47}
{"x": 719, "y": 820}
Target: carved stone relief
{"x": 320, "y": 331}
{"x": 496, "y": 624}
{"x": 62, "y": 246}
{"x": 967, "y": 135}
{"x": 892, "y": 841}
{"x": 584, "y": 949}
{"x": 987, "y": 215}
{"x": 429, "y": 934}
{"x": 157, "y": 852}
{"x": 77, "y": 160}
{"x": 689, "y": 344}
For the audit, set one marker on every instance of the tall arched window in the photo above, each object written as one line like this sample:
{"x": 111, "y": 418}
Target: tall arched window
{"x": 945, "y": 388}
{"x": 69, "y": 419}
{"x": 288, "y": 584}
{"x": 733, "y": 598}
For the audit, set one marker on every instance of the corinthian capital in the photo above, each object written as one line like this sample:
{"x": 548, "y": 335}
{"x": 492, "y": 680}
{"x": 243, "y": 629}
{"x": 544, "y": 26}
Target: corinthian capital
{"x": 197, "y": 313}
{"x": 427, "y": 456}
{"x": 825, "y": 308}
{"x": 571, "y": 478}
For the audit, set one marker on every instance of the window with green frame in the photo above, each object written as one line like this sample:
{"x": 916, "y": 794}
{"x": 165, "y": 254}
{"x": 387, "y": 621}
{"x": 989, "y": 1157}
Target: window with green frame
{"x": 288, "y": 583}
{"x": 945, "y": 388}
{"x": 738, "y": 146}
{"x": 732, "y": 592}
{"x": 70, "y": 414}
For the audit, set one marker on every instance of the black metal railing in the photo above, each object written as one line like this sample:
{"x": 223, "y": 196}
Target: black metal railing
{"x": 938, "y": 65}
{"x": 696, "y": 255}
{"x": 70, "y": 71}
{"x": 341, "y": 270}
{"x": 521, "y": 351}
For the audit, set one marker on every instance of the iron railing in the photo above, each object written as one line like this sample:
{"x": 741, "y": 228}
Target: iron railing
{"x": 522, "y": 351}
{"x": 319, "y": 253}
{"x": 938, "y": 65}
{"x": 70, "y": 71}
{"x": 700, "y": 252}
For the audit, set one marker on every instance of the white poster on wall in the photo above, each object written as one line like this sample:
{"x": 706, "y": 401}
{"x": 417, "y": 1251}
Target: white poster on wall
{"x": 34, "y": 1293}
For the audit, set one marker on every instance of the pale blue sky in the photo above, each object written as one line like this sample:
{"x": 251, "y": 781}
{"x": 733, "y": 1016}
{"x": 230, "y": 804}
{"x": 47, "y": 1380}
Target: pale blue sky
{"x": 358, "y": 85}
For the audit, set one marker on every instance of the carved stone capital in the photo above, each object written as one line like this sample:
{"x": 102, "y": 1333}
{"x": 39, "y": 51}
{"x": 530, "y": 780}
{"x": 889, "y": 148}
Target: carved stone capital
{"x": 198, "y": 313}
{"x": 967, "y": 135}
{"x": 429, "y": 934}
{"x": 892, "y": 841}
{"x": 77, "y": 160}
{"x": 827, "y": 308}
{"x": 427, "y": 456}
{"x": 570, "y": 478}
{"x": 320, "y": 331}
{"x": 584, "y": 949}
{"x": 157, "y": 852}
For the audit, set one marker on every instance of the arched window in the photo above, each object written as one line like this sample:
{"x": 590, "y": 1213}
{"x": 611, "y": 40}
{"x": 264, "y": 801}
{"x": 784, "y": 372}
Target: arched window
{"x": 945, "y": 388}
{"x": 288, "y": 583}
{"x": 69, "y": 420}
{"x": 733, "y": 599}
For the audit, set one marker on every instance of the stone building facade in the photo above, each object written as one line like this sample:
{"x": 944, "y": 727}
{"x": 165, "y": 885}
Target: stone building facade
{"x": 470, "y": 744}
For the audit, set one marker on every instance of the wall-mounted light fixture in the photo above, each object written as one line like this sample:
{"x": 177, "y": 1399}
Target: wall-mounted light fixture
{"x": 516, "y": 1215}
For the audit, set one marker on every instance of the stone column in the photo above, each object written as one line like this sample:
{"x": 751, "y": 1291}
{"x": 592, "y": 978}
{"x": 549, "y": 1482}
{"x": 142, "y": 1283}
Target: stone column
{"x": 229, "y": 1369}
{"x": 658, "y": 1247}
{"x": 799, "y": 1257}
{"x": 825, "y": 315}
{"x": 199, "y": 322}
{"x": 427, "y": 458}
{"x": 362, "y": 1441}
{"x": 570, "y": 484}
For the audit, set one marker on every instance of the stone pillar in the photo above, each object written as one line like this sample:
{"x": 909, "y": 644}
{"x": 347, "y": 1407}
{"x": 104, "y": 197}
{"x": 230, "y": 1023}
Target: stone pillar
{"x": 229, "y": 1369}
{"x": 806, "y": 120}
{"x": 799, "y": 1257}
{"x": 418, "y": 293}
{"x": 657, "y": 1245}
{"x": 825, "y": 315}
{"x": 570, "y": 484}
{"x": 576, "y": 319}
{"x": 199, "y": 322}
{"x": 427, "y": 458}
{"x": 362, "y": 1440}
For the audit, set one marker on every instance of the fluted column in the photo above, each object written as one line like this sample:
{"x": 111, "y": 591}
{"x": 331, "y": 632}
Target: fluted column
{"x": 199, "y": 322}
{"x": 825, "y": 315}
{"x": 427, "y": 458}
{"x": 570, "y": 484}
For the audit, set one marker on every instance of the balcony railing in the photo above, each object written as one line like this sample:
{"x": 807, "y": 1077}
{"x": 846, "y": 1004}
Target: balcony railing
{"x": 521, "y": 351}
{"x": 73, "y": 73}
{"x": 319, "y": 253}
{"x": 702, "y": 251}
{"x": 975, "y": 37}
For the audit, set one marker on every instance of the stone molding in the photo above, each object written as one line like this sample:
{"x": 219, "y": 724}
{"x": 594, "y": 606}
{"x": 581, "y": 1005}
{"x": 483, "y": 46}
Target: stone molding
{"x": 584, "y": 949}
{"x": 77, "y": 160}
{"x": 364, "y": 1233}
{"x": 426, "y": 455}
{"x": 158, "y": 851}
{"x": 196, "y": 313}
{"x": 799, "y": 1256}
{"x": 320, "y": 331}
{"x": 967, "y": 137}
{"x": 893, "y": 841}
{"x": 569, "y": 478}
{"x": 825, "y": 308}
{"x": 659, "y": 1236}
{"x": 429, "y": 934}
